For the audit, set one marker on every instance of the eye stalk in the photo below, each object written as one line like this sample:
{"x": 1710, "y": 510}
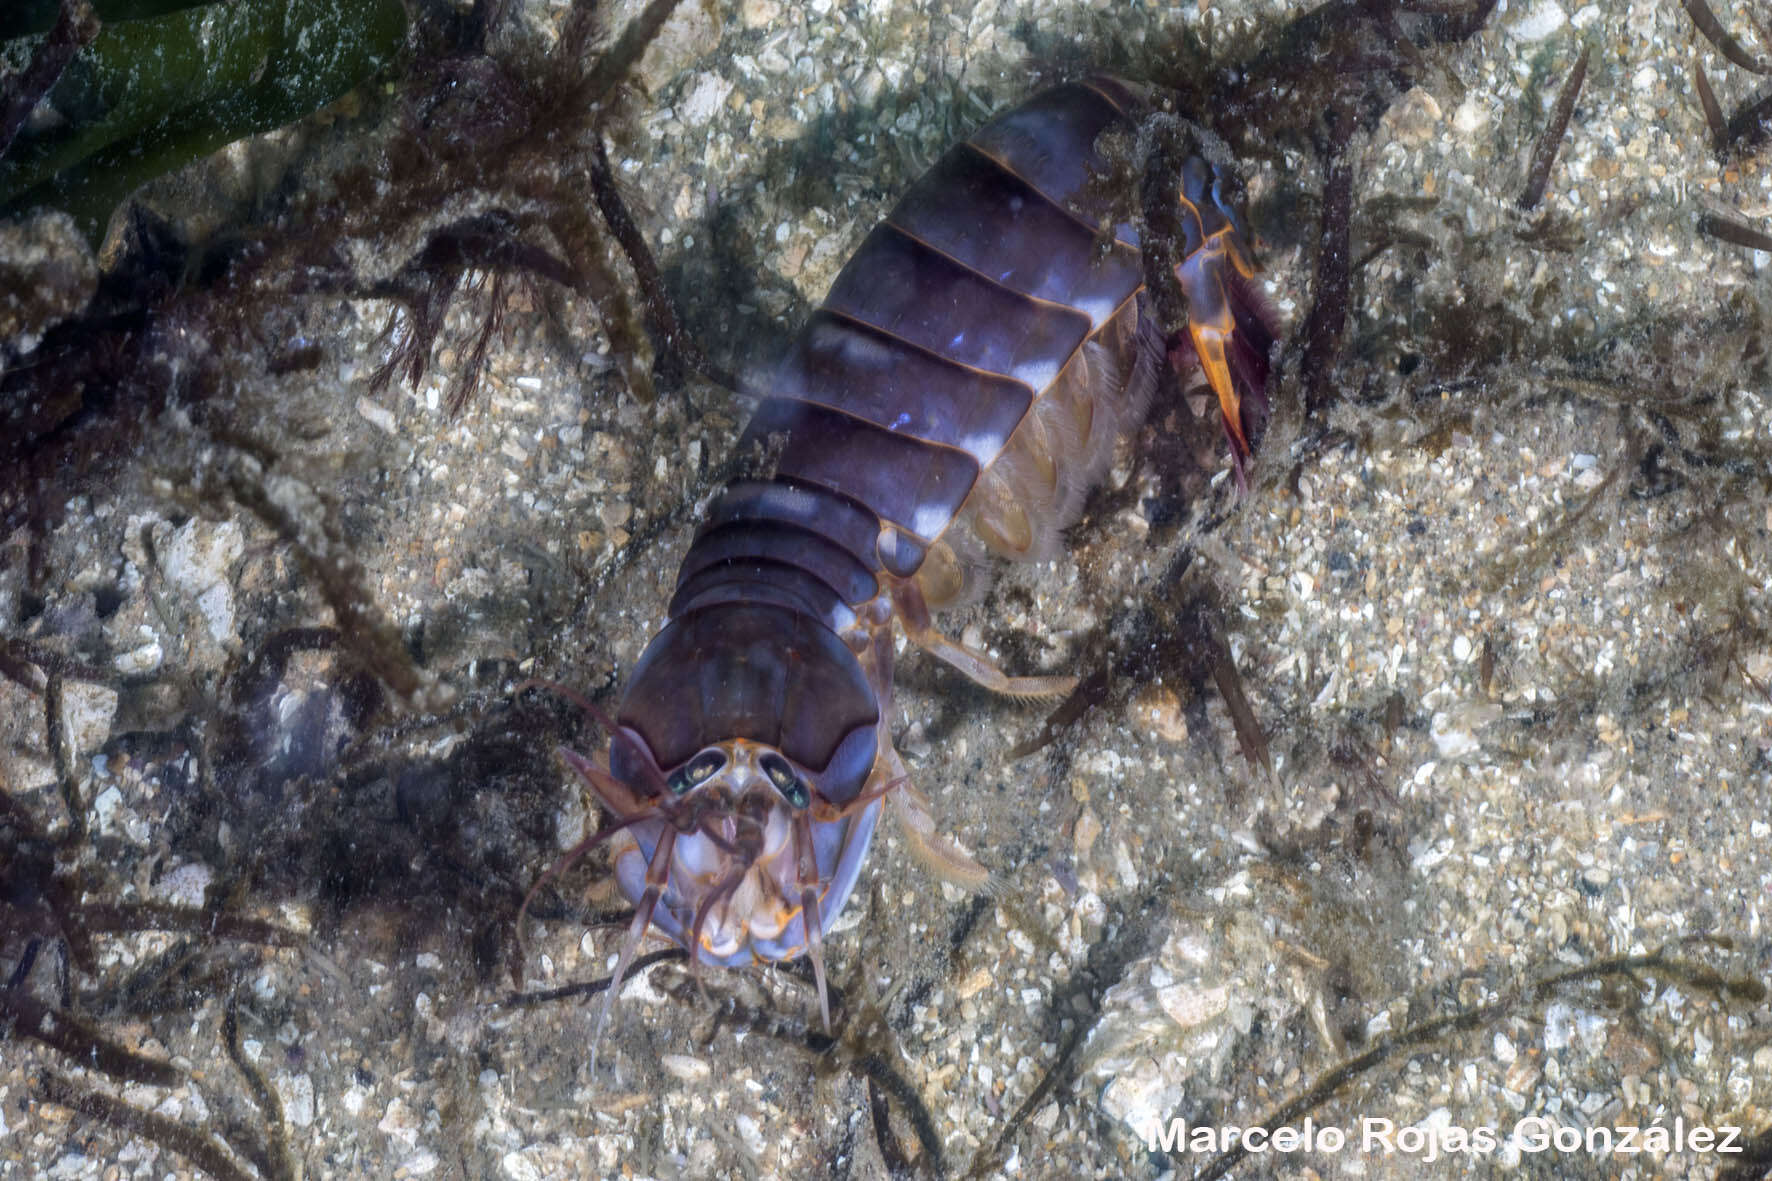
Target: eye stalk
{"x": 790, "y": 785}
{"x": 696, "y": 771}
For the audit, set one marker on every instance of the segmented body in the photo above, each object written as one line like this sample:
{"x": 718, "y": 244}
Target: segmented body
{"x": 960, "y": 388}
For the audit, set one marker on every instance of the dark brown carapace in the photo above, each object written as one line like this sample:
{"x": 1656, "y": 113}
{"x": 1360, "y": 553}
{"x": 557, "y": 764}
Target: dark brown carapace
{"x": 954, "y": 398}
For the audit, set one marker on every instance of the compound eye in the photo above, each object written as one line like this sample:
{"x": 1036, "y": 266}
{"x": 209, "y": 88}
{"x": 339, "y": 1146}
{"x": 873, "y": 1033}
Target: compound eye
{"x": 790, "y": 785}
{"x": 696, "y": 771}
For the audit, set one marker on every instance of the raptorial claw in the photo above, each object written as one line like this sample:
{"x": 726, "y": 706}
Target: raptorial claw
{"x": 601, "y": 782}
{"x": 934, "y": 852}
{"x": 815, "y": 950}
{"x": 810, "y": 917}
{"x": 656, "y": 873}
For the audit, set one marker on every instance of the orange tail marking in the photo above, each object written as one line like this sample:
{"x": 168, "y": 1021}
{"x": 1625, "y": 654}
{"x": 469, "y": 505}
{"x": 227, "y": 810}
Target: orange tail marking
{"x": 1211, "y": 324}
{"x": 1209, "y": 347}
